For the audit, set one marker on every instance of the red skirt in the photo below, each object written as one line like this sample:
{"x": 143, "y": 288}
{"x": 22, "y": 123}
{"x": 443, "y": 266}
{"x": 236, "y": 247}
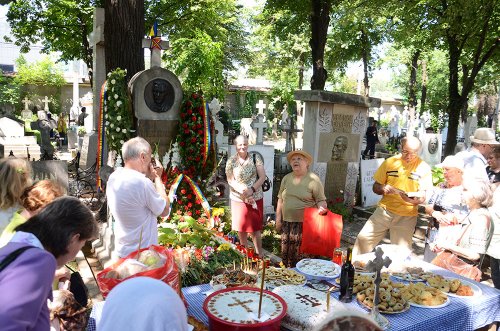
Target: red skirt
{"x": 245, "y": 218}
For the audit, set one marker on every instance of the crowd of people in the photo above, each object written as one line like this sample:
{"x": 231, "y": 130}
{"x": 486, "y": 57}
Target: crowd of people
{"x": 41, "y": 229}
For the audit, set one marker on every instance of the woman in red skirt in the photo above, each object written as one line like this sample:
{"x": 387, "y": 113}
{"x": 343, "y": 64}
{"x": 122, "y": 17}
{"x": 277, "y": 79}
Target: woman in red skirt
{"x": 245, "y": 177}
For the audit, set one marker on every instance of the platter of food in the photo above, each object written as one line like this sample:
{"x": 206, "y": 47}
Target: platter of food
{"x": 423, "y": 296}
{"x": 391, "y": 301}
{"x": 280, "y": 276}
{"x": 454, "y": 287}
{"x": 320, "y": 269}
{"x": 233, "y": 278}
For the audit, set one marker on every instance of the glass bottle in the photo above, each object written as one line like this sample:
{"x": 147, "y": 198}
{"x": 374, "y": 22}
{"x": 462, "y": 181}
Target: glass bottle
{"x": 347, "y": 278}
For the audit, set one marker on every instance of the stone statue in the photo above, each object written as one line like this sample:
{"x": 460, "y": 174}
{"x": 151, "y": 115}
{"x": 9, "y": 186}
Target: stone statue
{"x": 159, "y": 95}
{"x": 339, "y": 148}
{"x": 433, "y": 145}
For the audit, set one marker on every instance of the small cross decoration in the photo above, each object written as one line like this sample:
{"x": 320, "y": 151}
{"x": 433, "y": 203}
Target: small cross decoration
{"x": 238, "y": 302}
{"x": 305, "y": 298}
{"x": 376, "y": 266}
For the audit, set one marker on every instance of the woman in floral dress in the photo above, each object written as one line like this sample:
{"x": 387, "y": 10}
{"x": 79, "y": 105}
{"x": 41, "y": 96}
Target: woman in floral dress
{"x": 245, "y": 175}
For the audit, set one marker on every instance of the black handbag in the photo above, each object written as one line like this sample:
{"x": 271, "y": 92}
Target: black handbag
{"x": 78, "y": 288}
{"x": 266, "y": 186}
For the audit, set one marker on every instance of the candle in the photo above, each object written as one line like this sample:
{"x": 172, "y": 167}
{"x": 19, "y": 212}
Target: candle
{"x": 262, "y": 285}
{"x": 328, "y": 297}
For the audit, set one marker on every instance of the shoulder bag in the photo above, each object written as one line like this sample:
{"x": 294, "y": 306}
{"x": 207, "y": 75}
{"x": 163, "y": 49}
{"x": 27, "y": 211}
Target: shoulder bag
{"x": 266, "y": 186}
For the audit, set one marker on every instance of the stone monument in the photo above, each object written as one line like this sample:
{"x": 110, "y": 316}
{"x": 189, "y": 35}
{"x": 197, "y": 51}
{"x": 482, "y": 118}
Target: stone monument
{"x": 431, "y": 148}
{"x": 329, "y": 115}
{"x": 157, "y": 97}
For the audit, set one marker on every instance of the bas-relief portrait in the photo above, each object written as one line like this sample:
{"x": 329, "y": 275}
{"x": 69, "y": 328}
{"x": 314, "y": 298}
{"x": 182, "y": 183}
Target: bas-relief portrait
{"x": 159, "y": 95}
{"x": 338, "y": 147}
{"x": 433, "y": 145}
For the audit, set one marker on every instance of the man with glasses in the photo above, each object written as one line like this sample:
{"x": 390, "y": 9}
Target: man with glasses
{"x": 401, "y": 180}
{"x": 136, "y": 197}
{"x": 474, "y": 158}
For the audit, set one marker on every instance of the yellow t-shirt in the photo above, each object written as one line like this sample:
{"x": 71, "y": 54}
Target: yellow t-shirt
{"x": 411, "y": 177}
{"x": 8, "y": 232}
{"x": 296, "y": 197}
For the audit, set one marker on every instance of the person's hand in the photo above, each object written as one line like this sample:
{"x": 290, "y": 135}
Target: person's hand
{"x": 247, "y": 192}
{"x": 157, "y": 167}
{"x": 322, "y": 210}
{"x": 389, "y": 189}
{"x": 444, "y": 218}
{"x": 413, "y": 201}
{"x": 279, "y": 225}
{"x": 62, "y": 274}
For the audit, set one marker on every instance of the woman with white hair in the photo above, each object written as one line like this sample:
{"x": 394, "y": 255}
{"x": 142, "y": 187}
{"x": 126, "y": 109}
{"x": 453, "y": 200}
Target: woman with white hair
{"x": 471, "y": 242}
{"x": 445, "y": 205}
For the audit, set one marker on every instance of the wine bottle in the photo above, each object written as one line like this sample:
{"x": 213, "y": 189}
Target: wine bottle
{"x": 347, "y": 278}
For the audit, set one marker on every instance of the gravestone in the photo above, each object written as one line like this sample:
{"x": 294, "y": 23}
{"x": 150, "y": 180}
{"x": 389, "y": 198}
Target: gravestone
{"x": 368, "y": 169}
{"x": 26, "y": 114}
{"x": 53, "y": 169}
{"x": 88, "y": 151}
{"x": 157, "y": 96}
{"x": 469, "y": 129}
{"x": 12, "y": 139}
{"x": 98, "y": 65}
{"x": 327, "y": 116}
{"x": 247, "y": 130}
{"x": 259, "y": 124}
{"x": 431, "y": 148}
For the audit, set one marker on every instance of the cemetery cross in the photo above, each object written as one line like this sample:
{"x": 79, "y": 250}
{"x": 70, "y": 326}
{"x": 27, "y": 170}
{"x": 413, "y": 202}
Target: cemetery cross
{"x": 261, "y": 106}
{"x": 155, "y": 44}
{"x": 259, "y": 124}
{"x": 46, "y": 104}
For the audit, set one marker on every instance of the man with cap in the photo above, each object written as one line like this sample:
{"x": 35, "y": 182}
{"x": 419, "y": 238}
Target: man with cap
{"x": 402, "y": 181}
{"x": 474, "y": 158}
{"x": 299, "y": 189}
{"x": 445, "y": 204}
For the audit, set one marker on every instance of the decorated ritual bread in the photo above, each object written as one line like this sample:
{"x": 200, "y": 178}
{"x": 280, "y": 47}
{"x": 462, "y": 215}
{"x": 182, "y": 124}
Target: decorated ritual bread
{"x": 318, "y": 268}
{"x": 237, "y": 308}
{"x": 306, "y": 306}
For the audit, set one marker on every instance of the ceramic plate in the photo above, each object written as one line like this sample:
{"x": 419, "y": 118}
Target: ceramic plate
{"x": 444, "y": 304}
{"x": 474, "y": 287}
{"x": 320, "y": 269}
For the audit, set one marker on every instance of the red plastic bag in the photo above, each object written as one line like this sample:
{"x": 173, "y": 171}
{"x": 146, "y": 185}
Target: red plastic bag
{"x": 320, "y": 233}
{"x": 168, "y": 273}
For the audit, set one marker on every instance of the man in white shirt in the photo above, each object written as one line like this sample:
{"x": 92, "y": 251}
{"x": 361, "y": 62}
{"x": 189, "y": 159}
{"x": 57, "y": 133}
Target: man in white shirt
{"x": 474, "y": 158}
{"x": 136, "y": 197}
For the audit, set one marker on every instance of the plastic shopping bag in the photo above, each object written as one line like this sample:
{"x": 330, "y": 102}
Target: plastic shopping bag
{"x": 320, "y": 233}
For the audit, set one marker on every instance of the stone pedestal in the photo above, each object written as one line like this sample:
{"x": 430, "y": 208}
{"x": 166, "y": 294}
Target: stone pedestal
{"x": 334, "y": 125}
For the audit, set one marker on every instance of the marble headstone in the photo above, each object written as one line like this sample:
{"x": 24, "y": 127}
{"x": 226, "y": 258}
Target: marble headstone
{"x": 157, "y": 97}
{"x": 368, "y": 169}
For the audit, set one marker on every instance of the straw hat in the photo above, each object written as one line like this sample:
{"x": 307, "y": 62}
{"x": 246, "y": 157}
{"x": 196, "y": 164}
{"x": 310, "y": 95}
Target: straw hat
{"x": 484, "y": 136}
{"x": 304, "y": 154}
{"x": 452, "y": 161}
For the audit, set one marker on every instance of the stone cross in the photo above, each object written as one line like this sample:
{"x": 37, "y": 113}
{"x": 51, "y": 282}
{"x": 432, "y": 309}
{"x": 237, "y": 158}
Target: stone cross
{"x": 98, "y": 62}
{"x": 289, "y": 130}
{"x": 376, "y": 266}
{"x": 261, "y": 106}
{"x": 259, "y": 124}
{"x": 26, "y": 103}
{"x": 46, "y": 104}
{"x": 155, "y": 44}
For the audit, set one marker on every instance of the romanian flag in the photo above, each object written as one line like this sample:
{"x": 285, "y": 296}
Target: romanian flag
{"x": 154, "y": 30}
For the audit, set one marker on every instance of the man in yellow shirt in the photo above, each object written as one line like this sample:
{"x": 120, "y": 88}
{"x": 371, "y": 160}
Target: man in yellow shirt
{"x": 397, "y": 212}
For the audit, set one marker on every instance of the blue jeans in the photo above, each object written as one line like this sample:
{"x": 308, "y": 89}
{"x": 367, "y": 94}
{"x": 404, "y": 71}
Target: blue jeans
{"x": 495, "y": 271}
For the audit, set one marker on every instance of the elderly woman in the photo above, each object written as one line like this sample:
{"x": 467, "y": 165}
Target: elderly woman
{"x": 15, "y": 176}
{"x": 49, "y": 239}
{"x": 445, "y": 204}
{"x": 471, "y": 242}
{"x": 299, "y": 189}
{"x": 245, "y": 175}
{"x": 493, "y": 168}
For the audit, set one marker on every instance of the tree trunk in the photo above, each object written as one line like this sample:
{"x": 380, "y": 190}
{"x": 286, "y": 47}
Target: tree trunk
{"x": 365, "y": 56}
{"x": 412, "y": 84}
{"x": 455, "y": 104}
{"x": 123, "y": 32}
{"x": 320, "y": 18}
{"x": 302, "y": 61}
{"x": 424, "y": 86}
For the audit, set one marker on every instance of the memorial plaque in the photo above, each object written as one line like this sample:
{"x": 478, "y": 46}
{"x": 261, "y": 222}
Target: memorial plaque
{"x": 338, "y": 147}
{"x": 342, "y": 123}
{"x": 368, "y": 169}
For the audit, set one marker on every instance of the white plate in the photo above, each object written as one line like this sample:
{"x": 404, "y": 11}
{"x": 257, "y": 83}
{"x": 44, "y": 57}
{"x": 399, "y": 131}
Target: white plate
{"x": 444, "y": 304}
{"x": 412, "y": 279}
{"x": 316, "y": 268}
{"x": 474, "y": 287}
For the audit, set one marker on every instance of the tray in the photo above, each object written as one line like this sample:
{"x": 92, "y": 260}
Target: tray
{"x": 319, "y": 269}
{"x": 444, "y": 304}
{"x": 474, "y": 287}
{"x": 405, "y": 309}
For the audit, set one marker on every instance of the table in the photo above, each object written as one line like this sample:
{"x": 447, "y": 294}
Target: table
{"x": 462, "y": 314}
